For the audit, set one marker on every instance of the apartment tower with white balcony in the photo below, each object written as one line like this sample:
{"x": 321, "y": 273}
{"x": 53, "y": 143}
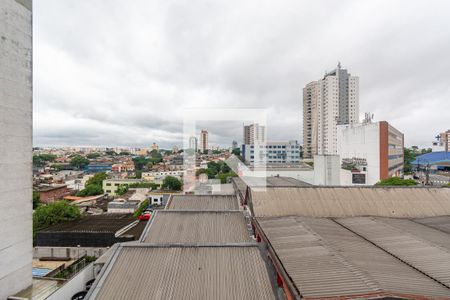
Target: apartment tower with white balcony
{"x": 328, "y": 102}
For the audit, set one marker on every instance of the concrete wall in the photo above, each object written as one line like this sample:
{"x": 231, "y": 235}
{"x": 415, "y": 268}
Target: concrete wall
{"x": 64, "y": 252}
{"x": 327, "y": 170}
{"x": 362, "y": 141}
{"x": 74, "y": 285}
{"x": 15, "y": 146}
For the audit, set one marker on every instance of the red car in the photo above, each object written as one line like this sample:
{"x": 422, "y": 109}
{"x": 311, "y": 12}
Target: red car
{"x": 145, "y": 216}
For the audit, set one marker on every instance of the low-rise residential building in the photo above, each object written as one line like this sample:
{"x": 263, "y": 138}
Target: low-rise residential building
{"x": 158, "y": 176}
{"x": 110, "y": 186}
{"x": 50, "y": 193}
{"x": 369, "y": 152}
{"x": 272, "y": 153}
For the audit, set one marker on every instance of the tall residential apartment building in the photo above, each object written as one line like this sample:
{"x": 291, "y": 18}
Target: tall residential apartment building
{"x": 328, "y": 102}
{"x": 204, "y": 140}
{"x": 254, "y": 133}
{"x": 193, "y": 143}
{"x": 16, "y": 94}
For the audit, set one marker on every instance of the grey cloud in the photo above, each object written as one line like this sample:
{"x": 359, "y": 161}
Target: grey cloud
{"x": 125, "y": 72}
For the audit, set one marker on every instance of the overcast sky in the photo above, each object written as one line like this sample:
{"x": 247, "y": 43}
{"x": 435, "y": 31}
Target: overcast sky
{"x": 121, "y": 73}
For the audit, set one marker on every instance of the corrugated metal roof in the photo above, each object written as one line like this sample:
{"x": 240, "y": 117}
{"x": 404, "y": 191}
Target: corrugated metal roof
{"x": 184, "y": 272}
{"x": 351, "y": 201}
{"x": 197, "y": 227}
{"x": 439, "y": 223}
{"x": 324, "y": 259}
{"x": 422, "y": 231}
{"x": 425, "y": 256}
{"x": 203, "y": 202}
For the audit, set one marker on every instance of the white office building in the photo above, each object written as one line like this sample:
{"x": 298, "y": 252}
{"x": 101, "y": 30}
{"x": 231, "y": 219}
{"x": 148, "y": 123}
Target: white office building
{"x": 272, "y": 153}
{"x": 16, "y": 95}
{"x": 369, "y": 152}
{"x": 328, "y": 102}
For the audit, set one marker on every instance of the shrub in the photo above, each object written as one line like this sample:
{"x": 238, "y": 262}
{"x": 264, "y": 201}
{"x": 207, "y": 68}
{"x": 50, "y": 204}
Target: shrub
{"x": 396, "y": 181}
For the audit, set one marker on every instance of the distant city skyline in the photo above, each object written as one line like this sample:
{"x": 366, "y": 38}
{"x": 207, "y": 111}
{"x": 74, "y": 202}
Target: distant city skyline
{"x": 115, "y": 74}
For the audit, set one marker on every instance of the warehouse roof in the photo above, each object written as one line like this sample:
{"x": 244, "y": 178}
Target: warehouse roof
{"x": 94, "y": 223}
{"x": 144, "y": 271}
{"x": 350, "y": 201}
{"x": 432, "y": 158}
{"x": 203, "y": 202}
{"x": 172, "y": 226}
{"x": 356, "y": 257}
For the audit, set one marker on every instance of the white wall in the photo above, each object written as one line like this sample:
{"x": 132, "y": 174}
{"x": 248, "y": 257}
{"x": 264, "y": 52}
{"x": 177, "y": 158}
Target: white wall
{"x": 362, "y": 141}
{"x": 64, "y": 252}
{"x": 15, "y": 147}
{"x": 74, "y": 285}
{"x": 327, "y": 170}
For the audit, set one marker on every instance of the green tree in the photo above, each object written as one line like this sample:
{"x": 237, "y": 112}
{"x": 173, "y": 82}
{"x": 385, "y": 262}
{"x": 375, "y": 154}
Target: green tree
{"x": 216, "y": 152}
{"x": 396, "y": 181}
{"x": 41, "y": 159}
{"x": 141, "y": 162}
{"x": 124, "y": 153}
{"x": 36, "y": 199}
{"x": 208, "y": 172}
{"x": 90, "y": 190}
{"x": 224, "y": 176}
{"x": 215, "y": 167}
{"x": 225, "y": 168}
{"x": 236, "y": 151}
{"x": 54, "y": 213}
{"x": 79, "y": 162}
{"x": 122, "y": 189}
{"x": 93, "y": 155}
{"x": 97, "y": 179}
{"x": 409, "y": 155}
{"x": 171, "y": 183}
{"x": 142, "y": 206}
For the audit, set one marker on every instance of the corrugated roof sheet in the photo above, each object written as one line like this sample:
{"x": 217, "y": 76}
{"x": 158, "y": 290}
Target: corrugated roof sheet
{"x": 429, "y": 258}
{"x": 94, "y": 223}
{"x": 440, "y": 223}
{"x": 203, "y": 202}
{"x": 419, "y": 230}
{"x": 185, "y": 272}
{"x": 197, "y": 227}
{"x": 324, "y": 259}
{"x": 351, "y": 201}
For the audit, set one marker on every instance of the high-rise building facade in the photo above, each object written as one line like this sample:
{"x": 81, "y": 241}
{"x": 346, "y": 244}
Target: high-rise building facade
{"x": 444, "y": 140}
{"x": 16, "y": 94}
{"x": 193, "y": 143}
{"x": 204, "y": 140}
{"x": 254, "y": 133}
{"x": 328, "y": 102}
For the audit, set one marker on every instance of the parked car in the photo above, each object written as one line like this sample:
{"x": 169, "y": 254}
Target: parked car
{"x": 146, "y": 215}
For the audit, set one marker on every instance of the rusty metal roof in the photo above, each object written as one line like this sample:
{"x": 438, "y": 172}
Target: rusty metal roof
{"x": 203, "y": 202}
{"x": 144, "y": 271}
{"x": 322, "y": 258}
{"x": 350, "y": 201}
{"x": 171, "y": 226}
